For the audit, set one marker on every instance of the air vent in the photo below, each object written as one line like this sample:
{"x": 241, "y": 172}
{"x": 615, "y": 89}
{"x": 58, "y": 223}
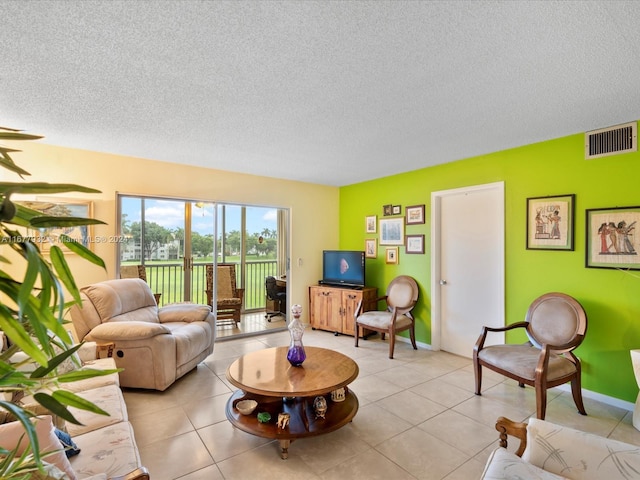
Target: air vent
{"x": 611, "y": 141}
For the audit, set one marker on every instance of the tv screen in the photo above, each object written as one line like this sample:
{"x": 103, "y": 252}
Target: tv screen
{"x": 343, "y": 267}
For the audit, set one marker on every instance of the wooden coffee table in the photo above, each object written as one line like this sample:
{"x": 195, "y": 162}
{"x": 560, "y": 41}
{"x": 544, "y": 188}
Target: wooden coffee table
{"x": 267, "y": 377}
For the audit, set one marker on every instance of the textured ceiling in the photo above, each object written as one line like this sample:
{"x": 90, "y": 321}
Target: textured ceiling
{"x": 325, "y": 92}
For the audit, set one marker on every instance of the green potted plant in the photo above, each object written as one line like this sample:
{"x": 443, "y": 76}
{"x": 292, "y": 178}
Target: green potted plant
{"x": 32, "y": 309}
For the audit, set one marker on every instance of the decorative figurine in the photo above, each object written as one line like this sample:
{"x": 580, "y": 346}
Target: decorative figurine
{"x": 283, "y": 420}
{"x": 264, "y": 417}
{"x": 339, "y": 395}
{"x": 320, "y": 406}
{"x": 296, "y": 354}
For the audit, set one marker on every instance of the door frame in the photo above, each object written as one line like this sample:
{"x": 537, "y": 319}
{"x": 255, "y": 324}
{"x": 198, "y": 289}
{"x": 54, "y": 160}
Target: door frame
{"x": 436, "y": 270}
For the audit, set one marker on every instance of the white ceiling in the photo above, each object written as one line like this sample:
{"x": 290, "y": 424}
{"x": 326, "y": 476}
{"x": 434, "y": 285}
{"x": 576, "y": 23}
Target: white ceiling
{"x": 328, "y": 92}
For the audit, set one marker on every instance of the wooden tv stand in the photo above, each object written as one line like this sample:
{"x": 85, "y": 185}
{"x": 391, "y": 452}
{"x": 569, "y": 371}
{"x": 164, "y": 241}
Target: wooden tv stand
{"x": 332, "y": 308}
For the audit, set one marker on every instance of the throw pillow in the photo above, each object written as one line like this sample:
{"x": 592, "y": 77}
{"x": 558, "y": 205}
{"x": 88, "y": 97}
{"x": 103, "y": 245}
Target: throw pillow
{"x": 12, "y": 434}
{"x": 70, "y": 447}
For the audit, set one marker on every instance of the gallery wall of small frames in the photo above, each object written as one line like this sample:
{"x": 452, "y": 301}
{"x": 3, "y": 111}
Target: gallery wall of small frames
{"x": 391, "y": 232}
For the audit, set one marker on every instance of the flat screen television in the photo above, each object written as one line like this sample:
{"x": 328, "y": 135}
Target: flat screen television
{"x": 343, "y": 268}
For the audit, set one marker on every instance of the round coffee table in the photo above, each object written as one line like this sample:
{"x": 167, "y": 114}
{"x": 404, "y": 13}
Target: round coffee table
{"x": 267, "y": 377}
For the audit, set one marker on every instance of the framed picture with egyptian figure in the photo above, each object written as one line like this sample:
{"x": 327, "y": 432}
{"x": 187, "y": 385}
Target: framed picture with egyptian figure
{"x": 612, "y": 239}
{"x": 550, "y": 222}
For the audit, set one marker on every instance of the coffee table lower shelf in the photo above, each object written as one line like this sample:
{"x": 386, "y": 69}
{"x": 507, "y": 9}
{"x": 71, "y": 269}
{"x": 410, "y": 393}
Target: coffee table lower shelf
{"x": 303, "y": 422}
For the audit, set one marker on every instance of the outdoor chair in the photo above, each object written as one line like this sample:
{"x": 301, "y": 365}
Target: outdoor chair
{"x": 228, "y": 297}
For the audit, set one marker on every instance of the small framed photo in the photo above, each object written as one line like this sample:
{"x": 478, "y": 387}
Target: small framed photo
{"x": 392, "y": 231}
{"x": 415, "y": 244}
{"x": 371, "y": 223}
{"x": 387, "y": 210}
{"x": 612, "y": 240}
{"x": 550, "y": 222}
{"x": 371, "y": 248}
{"x": 391, "y": 255}
{"x": 396, "y": 210}
{"x": 414, "y": 214}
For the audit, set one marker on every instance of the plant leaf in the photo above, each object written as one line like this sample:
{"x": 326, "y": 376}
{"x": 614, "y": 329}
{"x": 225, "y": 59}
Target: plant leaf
{"x": 84, "y": 374}
{"x": 18, "y": 335}
{"x": 23, "y": 417}
{"x": 81, "y": 250}
{"x": 64, "y": 272}
{"x": 11, "y": 134}
{"x": 45, "y": 221}
{"x": 55, "y": 407}
{"x": 72, "y": 400}
{"x": 44, "y": 187}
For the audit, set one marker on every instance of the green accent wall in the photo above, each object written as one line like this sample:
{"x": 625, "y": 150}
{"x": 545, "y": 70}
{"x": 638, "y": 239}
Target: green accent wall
{"x": 611, "y": 298}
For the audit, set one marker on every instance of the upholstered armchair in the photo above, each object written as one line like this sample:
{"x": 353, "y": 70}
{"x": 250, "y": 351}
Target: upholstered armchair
{"x": 229, "y": 298}
{"x": 155, "y": 346}
{"x": 555, "y": 324}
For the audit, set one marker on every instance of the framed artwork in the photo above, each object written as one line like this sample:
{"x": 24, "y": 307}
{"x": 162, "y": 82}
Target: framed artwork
{"x": 392, "y": 231}
{"x": 611, "y": 238}
{"x": 58, "y": 207}
{"x": 396, "y": 210}
{"x": 415, "y": 244}
{"x": 391, "y": 255}
{"x": 414, "y": 214}
{"x": 550, "y": 222}
{"x": 371, "y": 223}
{"x": 387, "y": 210}
{"x": 371, "y": 248}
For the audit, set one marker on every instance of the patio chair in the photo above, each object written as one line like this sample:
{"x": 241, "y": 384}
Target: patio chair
{"x": 228, "y": 297}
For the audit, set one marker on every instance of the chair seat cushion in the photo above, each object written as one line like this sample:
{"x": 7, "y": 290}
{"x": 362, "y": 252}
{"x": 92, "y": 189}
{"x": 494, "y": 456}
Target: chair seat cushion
{"x": 229, "y": 302}
{"x": 504, "y": 465}
{"x": 382, "y": 320}
{"x": 521, "y": 360}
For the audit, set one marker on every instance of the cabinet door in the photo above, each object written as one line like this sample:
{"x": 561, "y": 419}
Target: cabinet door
{"x": 325, "y": 309}
{"x": 350, "y": 300}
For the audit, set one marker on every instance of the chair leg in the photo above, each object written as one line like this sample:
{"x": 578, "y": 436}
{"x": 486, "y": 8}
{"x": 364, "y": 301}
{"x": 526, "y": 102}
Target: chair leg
{"x": 541, "y": 401}
{"x": 576, "y": 391}
{"x": 412, "y": 334}
{"x": 392, "y": 343}
{"x": 357, "y": 333}
{"x": 477, "y": 369}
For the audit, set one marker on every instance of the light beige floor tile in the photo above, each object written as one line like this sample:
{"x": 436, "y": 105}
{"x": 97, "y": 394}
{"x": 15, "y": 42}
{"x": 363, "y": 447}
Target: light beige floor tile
{"x": 487, "y": 410}
{"x": 211, "y": 472}
{"x": 224, "y": 441}
{"x": 374, "y": 424}
{"x": 372, "y": 364}
{"x": 442, "y": 392}
{"x": 468, "y": 470}
{"x": 175, "y": 456}
{"x": 368, "y": 465}
{"x": 625, "y": 431}
{"x": 407, "y": 375}
{"x": 459, "y": 431}
{"x": 411, "y": 407}
{"x": 199, "y": 383}
{"x": 161, "y": 425}
{"x": 207, "y": 411}
{"x": 143, "y": 402}
{"x": 326, "y": 451}
{"x": 265, "y": 463}
{"x": 422, "y": 455}
{"x": 373, "y": 388}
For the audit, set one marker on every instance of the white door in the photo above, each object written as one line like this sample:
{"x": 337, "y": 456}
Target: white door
{"x": 468, "y": 266}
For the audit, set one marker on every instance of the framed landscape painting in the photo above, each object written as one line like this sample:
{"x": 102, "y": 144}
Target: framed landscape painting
{"x": 550, "y": 222}
{"x": 612, "y": 239}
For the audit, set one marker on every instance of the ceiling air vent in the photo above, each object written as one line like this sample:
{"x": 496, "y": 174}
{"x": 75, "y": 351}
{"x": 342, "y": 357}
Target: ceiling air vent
{"x": 611, "y": 141}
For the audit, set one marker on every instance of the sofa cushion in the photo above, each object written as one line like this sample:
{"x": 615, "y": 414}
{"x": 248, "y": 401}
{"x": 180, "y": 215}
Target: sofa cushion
{"x": 579, "y": 455}
{"x": 191, "y": 339}
{"x": 110, "y": 450}
{"x": 109, "y": 398}
{"x": 504, "y": 465}
{"x": 13, "y": 434}
{"x": 123, "y": 300}
{"x": 184, "y": 312}
{"x": 115, "y": 331}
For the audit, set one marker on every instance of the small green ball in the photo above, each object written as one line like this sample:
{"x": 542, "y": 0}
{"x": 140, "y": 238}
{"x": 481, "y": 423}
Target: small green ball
{"x": 264, "y": 417}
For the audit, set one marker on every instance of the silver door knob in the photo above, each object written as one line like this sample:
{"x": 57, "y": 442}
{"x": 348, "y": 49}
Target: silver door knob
{"x": 443, "y": 282}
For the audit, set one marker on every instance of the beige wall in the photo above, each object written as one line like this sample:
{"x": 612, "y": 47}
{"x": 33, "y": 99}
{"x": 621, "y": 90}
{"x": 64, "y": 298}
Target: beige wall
{"x": 313, "y": 208}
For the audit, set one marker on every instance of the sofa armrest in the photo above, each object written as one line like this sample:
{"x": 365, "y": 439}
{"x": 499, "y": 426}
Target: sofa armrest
{"x": 115, "y": 331}
{"x": 138, "y": 474}
{"x": 508, "y": 427}
{"x": 183, "y": 312}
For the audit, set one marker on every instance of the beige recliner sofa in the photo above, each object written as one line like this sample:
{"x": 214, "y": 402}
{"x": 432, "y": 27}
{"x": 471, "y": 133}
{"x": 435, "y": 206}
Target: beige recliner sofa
{"x": 155, "y": 346}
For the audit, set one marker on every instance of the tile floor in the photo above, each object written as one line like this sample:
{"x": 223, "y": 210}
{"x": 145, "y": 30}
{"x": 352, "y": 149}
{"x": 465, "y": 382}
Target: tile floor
{"x": 418, "y": 419}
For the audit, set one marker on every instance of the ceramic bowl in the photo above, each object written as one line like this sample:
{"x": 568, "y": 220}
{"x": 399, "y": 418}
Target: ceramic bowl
{"x": 246, "y": 407}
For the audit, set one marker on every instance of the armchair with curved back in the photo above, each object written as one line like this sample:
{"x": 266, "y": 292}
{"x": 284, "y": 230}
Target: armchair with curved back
{"x": 556, "y": 325}
{"x": 229, "y": 298}
{"x": 400, "y": 298}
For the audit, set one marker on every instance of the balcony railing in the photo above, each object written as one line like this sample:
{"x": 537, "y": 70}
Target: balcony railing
{"x": 168, "y": 279}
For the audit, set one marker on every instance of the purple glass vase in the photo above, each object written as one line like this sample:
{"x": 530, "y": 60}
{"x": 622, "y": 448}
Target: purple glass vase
{"x": 296, "y": 354}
